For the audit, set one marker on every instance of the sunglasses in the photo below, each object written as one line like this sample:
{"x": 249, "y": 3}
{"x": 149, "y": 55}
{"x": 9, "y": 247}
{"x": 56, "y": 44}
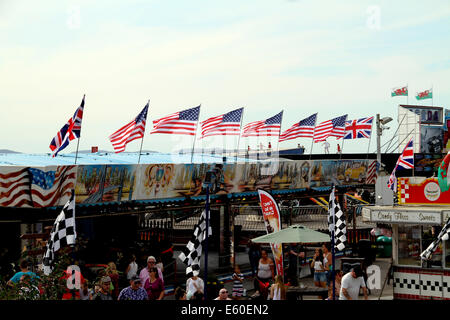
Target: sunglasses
{"x": 223, "y": 292}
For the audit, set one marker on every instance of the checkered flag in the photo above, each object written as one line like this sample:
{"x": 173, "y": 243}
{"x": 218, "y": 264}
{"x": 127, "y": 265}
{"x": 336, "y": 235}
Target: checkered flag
{"x": 63, "y": 234}
{"x": 443, "y": 236}
{"x": 192, "y": 253}
{"x": 336, "y": 222}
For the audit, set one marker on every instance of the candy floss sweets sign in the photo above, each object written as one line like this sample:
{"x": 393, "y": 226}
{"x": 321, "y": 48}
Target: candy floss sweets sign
{"x": 272, "y": 222}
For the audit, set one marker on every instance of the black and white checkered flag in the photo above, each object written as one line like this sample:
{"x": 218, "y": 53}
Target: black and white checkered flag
{"x": 192, "y": 253}
{"x": 336, "y": 222}
{"x": 63, "y": 234}
{"x": 443, "y": 236}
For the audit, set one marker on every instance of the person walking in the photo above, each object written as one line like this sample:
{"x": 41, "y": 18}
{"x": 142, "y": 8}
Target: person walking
{"x": 154, "y": 285}
{"x": 320, "y": 278}
{"x": 326, "y": 146}
{"x": 264, "y": 275}
{"x": 195, "y": 288}
{"x": 254, "y": 254}
{"x": 278, "y": 289}
{"x": 238, "y": 283}
{"x": 351, "y": 284}
{"x": 134, "y": 291}
{"x": 327, "y": 260}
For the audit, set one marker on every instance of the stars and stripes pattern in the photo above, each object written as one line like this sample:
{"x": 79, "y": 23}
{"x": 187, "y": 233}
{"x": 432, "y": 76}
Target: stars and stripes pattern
{"x": 226, "y": 124}
{"x": 443, "y": 236}
{"x": 70, "y": 131}
{"x": 330, "y": 128}
{"x": 405, "y": 161}
{"x": 53, "y": 187}
{"x": 336, "y": 222}
{"x": 360, "y": 128}
{"x": 63, "y": 234}
{"x": 302, "y": 129}
{"x": 264, "y": 128}
{"x": 191, "y": 254}
{"x": 130, "y": 132}
{"x": 183, "y": 122}
{"x": 371, "y": 176}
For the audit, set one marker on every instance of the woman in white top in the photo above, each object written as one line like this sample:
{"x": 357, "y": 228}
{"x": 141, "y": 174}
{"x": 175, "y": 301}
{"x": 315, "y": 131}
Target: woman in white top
{"x": 132, "y": 268}
{"x": 265, "y": 274}
{"x": 320, "y": 277}
{"x": 194, "y": 288}
{"x": 278, "y": 289}
{"x": 327, "y": 260}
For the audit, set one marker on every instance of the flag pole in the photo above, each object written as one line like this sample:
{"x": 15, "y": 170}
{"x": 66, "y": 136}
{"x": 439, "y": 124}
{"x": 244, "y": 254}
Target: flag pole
{"x": 143, "y": 135}
{"x": 195, "y": 135}
{"x": 239, "y": 138}
{"x": 78, "y": 142}
{"x": 279, "y": 134}
{"x": 206, "y": 240}
{"x": 370, "y": 139}
{"x": 342, "y": 149}
{"x": 333, "y": 254}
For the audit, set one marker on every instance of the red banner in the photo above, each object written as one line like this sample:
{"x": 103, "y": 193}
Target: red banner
{"x": 272, "y": 221}
{"x": 419, "y": 190}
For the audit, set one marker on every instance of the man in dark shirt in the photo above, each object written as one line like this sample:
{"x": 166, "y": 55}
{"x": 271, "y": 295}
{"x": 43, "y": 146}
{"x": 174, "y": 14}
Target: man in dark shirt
{"x": 105, "y": 290}
{"x": 295, "y": 253}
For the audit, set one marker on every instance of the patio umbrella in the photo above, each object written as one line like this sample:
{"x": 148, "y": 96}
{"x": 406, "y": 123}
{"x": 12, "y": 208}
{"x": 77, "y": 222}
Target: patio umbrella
{"x": 293, "y": 234}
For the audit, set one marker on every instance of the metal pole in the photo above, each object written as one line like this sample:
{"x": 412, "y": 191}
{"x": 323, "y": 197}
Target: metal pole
{"x": 206, "y": 240}
{"x": 378, "y": 143}
{"x": 76, "y": 154}
{"x": 143, "y": 135}
{"x": 195, "y": 135}
{"x": 239, "y": 138}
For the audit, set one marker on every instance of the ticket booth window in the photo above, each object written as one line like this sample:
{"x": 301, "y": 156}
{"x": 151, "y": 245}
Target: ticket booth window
{"x": 409, "y": 245}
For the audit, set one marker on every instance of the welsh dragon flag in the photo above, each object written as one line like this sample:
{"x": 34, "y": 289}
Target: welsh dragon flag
{"x": 399, "y": 92}
{"x": 427, "y": 94}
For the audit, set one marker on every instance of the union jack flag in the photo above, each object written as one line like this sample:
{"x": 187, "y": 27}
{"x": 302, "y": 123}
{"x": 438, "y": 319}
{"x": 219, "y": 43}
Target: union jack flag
{"x": 405, "y": 161}
{"x": 70, "y": 131}
{"x": 361, "y": 128}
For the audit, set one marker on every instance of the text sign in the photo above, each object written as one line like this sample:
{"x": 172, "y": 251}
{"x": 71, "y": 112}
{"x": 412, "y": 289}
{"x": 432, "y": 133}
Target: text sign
{"x": 406, "y": 217}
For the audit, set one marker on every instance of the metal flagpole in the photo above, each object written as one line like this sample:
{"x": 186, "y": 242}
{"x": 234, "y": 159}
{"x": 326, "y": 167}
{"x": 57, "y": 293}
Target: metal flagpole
{"x": 279, "y": 134}
{"x": 312, "y": 139}
{"x": 195, "y": 136}
{"x": 206, "y": 240}
{"x": 407, "y": 94}
{"x": 370, "y": 139}
{"x": 78, "y": 142}
{"x": 333, "y": 254}
{"x": 342, "y": 149}
{"x": 239, "y": 138}
{"x": 143, "y": 135}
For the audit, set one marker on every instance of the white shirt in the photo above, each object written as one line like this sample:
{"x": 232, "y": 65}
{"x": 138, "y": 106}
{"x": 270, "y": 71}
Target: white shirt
{"x": 352, "y": 285}
{"x": 133, "y": 270}
{"x": 192, "y": 284}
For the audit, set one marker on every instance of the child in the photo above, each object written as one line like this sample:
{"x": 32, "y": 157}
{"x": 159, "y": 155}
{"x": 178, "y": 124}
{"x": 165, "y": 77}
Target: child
{"x": 238, "y": 283}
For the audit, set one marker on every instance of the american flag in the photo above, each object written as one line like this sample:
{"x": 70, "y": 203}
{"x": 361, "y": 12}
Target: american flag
{"x": 304, "y": 128}
{"x": 225, "y": 124}
{"x": 52, "y": 188}
{"x": 70, "y": 131}
{"x": 405, "y": 161}
{"x": 15, "y": 187}
{"x": 131, "y": 131}
{"x": 361, "y": 128}
{"x": 183, "y": 122}
{"x": 371, "y": 176}
{"x": 268, "y": 127}
{"x": 330, "y": 128}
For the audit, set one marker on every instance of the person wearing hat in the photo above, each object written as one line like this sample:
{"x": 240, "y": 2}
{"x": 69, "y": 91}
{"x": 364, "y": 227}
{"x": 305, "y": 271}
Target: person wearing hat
{"x": 145, "y": 273}
{"x": 351, "y": 283}
{"x": 105, "y": 292}
{"x": 134, "y": 291}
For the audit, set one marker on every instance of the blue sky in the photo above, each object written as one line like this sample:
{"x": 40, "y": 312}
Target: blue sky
{"x": 300, "y": 56}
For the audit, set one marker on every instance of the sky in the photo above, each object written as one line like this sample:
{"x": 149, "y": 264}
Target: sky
{"x": 298, "y": 56}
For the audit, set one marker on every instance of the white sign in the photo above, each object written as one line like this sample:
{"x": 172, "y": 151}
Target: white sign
{"x": 365, "y": 214}
{"x": 406, "y": 217}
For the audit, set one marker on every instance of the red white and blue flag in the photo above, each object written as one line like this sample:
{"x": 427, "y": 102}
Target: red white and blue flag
{"x": 330, "y": 128}
{"x": 131, "y": 131}
{"x": 361, "y": 128}
{"x": 228, "y": 124}
{"x": 70, "y": 131}
{"x": 183, "y": 122}
{"x": 264, "y": 128}
{"x": 304, "y": 129}
{"x": 405, "y": 161}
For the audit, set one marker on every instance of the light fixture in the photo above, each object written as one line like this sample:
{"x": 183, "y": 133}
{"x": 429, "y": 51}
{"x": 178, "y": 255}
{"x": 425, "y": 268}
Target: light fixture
{"x": 385, "y": 120}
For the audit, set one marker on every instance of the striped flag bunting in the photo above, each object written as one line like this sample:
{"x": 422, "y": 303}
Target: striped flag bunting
{"x": 15, "y": 187}
{"x": 361, "y": 128}
{"x": 226, "y": 124}
{"x": 63, "y": 234}
{"x": 130, "y": 132}
{"x": 183, "y": 122}
{"x": 70, "y": 131}
{"x": 336, "y": 222}
{"x": 264, "y": 128}
{"x": 302, "y": 129}
{"x": 330, "y": 128}
{"x": 192, "y": 253}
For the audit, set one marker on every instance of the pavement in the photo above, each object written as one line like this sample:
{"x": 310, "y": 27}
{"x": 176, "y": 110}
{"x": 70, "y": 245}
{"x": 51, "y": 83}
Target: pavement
{"x": 383, "y": 292}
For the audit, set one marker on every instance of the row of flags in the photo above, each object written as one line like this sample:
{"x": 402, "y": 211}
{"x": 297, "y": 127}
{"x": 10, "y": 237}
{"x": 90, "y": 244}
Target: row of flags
{"x": 185, "y": 123}
{"x": 403, "y": 91}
